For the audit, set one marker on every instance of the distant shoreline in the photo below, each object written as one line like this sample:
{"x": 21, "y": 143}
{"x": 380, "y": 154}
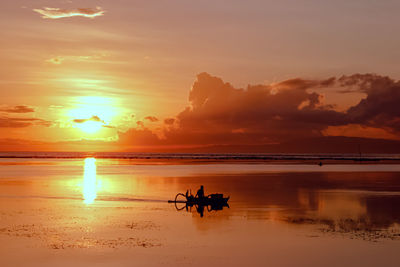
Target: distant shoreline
{"x": 213, "y": 158}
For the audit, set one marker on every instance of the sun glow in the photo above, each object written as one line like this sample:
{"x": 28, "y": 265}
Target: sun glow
{"x": 92, "y": 113}
{"x": 90, "y": 126}
{"x": 89, "y": 181}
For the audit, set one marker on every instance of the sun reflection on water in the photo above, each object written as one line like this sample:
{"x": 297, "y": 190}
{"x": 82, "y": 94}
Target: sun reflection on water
{"x": 89, "y": 181}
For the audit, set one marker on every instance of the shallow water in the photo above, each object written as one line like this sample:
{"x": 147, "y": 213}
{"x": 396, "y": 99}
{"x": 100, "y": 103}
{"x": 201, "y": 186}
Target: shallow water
{"x": 109, "y": 212}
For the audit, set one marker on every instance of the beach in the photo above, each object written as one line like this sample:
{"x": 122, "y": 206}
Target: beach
{"x": 115, "y": 212}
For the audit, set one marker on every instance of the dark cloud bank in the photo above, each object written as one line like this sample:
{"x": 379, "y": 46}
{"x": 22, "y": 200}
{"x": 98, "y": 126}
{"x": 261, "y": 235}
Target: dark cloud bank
{"x": 289, "y": 116}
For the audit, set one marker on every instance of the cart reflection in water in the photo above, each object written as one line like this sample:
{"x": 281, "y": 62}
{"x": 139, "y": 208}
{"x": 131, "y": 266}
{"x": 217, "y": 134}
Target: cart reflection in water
{"x": 212, "y": 202}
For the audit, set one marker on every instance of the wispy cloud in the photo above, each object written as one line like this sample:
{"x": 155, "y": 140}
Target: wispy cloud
{"x": 109, "y": 126}
{"x": 6, "y": 122}
{"x": 60, "y": 59}
{"x": 56, "y": 60}
{"x": 93, "y": 118}
{"x": 58, "y": 13}
{"x": 151, "y": 118}
{"x": 17, "y": 109}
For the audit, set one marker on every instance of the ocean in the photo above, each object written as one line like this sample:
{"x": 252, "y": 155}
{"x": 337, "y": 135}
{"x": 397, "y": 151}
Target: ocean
{"x": 63, "y": 209}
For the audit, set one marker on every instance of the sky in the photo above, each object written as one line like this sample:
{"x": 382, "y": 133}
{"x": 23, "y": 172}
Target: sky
{"x": 127, "y": 75}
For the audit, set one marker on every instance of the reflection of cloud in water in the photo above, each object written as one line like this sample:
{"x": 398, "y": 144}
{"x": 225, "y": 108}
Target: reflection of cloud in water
{"x": 340, "y": 205}
{"x": 367, "y": 204}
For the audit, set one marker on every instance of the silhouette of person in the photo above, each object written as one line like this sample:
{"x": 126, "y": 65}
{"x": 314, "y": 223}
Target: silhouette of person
{"x": 188, "y": 195}
{"x": 200, "y": 192}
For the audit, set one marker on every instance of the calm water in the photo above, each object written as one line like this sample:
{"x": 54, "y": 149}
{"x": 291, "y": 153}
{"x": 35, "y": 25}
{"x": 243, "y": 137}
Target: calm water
{"x": 109, "y": 212}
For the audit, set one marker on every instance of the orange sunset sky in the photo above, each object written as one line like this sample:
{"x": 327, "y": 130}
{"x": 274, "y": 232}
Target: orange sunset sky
{"x": 125, "y": 75}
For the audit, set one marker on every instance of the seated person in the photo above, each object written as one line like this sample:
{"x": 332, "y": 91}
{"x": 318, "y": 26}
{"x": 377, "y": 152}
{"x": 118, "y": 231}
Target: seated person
{"x": 200, "y": 192}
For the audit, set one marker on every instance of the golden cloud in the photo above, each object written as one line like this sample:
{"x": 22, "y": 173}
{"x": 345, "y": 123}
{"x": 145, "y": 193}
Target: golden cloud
{"x": 58, "y": 13}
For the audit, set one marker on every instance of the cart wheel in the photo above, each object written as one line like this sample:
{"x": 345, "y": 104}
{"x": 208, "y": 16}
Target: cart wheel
{"x": 176, "y": 198}
{"x": 179, "y": 194}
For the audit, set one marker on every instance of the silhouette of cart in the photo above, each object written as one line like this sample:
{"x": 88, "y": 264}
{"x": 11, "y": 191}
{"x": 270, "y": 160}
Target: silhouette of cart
{"x": 211, "y": 202}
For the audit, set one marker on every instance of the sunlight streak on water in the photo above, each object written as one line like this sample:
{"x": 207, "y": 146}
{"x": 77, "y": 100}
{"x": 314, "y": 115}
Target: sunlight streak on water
{"x": 89, "y": 181}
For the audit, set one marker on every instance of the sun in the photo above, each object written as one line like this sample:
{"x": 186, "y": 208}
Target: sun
{"x": 92, "y": 113}
{"x": 90, "y": 126}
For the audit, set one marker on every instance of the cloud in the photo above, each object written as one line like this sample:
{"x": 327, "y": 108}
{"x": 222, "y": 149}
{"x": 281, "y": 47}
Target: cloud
{"x": 18, "y": 109}
{"x": 259, "y": 113}
{"x": 6, "y": 122}
{"x": 93, "y": 118}
{"x": 220, "y": 114}
{"x": 57, "y": 13}
{"x": 109, "y": 126}
{"x": 151, "y": 118}
{"x": 357, "y": 130}
{"x": 60, "y": 59}
{"x": 56, "y": 60}
{"x": 169, "y": 121}
{"x": 380, "y": 108}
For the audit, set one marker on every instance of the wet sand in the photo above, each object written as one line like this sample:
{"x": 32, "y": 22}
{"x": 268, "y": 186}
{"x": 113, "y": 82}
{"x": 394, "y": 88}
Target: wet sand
{"x": 110, "y": 213}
